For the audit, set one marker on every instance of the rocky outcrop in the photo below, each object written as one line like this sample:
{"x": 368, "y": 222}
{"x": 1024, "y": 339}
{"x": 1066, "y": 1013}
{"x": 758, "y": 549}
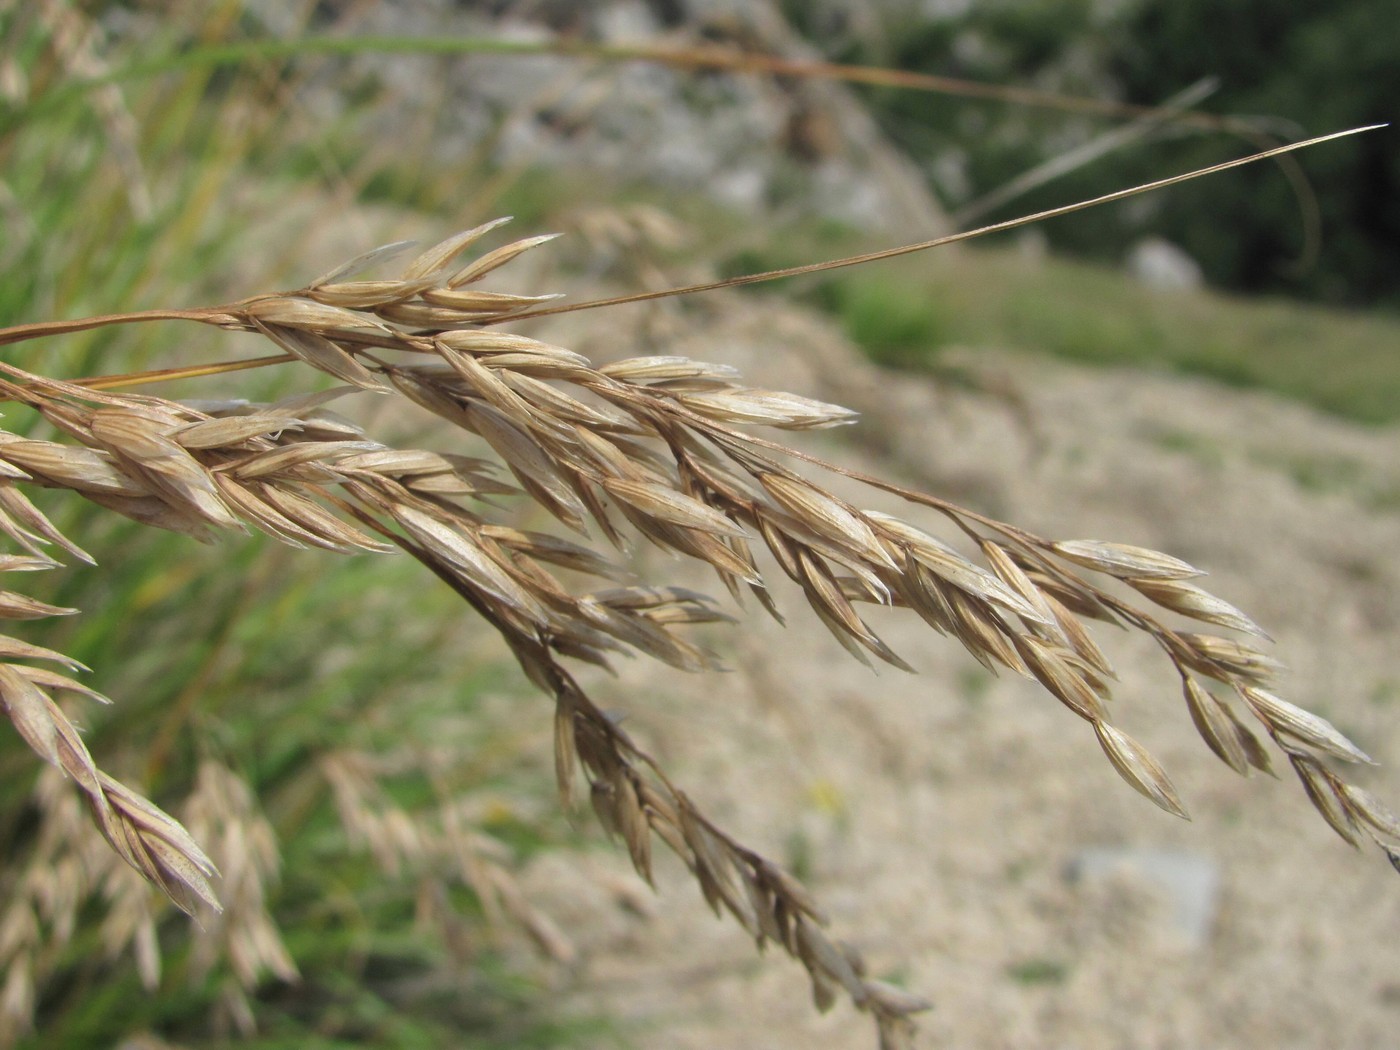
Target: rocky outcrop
{"x": 758, "y": 143}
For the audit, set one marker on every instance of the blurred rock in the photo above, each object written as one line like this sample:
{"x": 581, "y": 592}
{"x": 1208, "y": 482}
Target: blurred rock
{"x": 758, "y": 143}
{"x": 1191, "y": 882}
{"x": 1164, "y": 267}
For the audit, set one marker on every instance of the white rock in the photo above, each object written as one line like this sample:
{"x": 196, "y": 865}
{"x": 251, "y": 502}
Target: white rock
{"x": 1191, "y": 882}
{"x": 1163, "y": 266}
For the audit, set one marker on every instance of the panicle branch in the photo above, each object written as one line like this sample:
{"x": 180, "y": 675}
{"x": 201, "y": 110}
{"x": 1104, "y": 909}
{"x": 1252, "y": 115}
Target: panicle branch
{"x": 656, "y": 447}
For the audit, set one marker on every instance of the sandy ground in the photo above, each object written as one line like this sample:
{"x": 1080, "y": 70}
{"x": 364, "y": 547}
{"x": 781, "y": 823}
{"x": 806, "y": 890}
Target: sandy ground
{"x": 938, "y": 816}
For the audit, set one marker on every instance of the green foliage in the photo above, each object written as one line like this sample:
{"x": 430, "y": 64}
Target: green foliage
{"x": 1306, "y": 68}
{"x": 1339, "y": 361}
{"x": 889, "y": 319}
{"x": 1038, "y": 972}
{"x": 1321, "y": 65}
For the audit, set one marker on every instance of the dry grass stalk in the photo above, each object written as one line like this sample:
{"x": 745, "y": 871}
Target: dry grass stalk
{"x": 661, "y": 444}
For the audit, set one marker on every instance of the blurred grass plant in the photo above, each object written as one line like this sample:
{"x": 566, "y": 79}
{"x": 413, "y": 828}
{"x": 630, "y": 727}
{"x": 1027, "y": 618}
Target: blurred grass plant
{"x": 241, "y": 667}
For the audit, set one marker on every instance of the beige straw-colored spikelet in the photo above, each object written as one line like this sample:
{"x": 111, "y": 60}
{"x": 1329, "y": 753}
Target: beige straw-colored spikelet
{"x": 658, "y": 448}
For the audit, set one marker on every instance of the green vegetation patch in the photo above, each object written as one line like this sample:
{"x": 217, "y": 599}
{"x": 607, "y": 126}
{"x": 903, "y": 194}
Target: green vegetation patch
{"x": 905, "y": 312}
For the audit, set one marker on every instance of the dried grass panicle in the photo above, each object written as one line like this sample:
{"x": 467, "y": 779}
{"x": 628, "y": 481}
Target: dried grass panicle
{"x": 438, "y": 850}
{"x": 222, "y": 813}
{"x": 658, "y": 447}
{"x": 146, "y": 837}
